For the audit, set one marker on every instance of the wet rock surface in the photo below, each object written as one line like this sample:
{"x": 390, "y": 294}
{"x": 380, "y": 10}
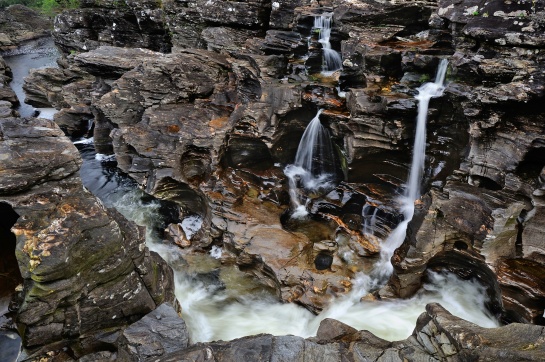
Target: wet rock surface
{"x": 438, "y": 336}
{"x": 159, "y": 333}
{"x": 211, "y": 126}
{"x": 86, "y": 272}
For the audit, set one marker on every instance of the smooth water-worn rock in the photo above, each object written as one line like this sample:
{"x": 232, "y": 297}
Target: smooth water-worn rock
{"x": 8, "y": 98}
{"x": 182, "y": 99}
{"x": 86, "y": 270}
{"x": 212, "y": 129}
{"x": 161, "y": 332}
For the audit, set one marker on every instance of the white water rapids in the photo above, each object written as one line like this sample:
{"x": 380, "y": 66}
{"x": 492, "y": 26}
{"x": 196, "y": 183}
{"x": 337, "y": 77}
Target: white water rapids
{"x": 212, "y": 313}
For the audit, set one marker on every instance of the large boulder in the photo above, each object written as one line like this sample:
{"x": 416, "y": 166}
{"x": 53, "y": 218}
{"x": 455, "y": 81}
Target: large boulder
{"x": 160, "y": 332}
{"x": 167, "y": 108}
{"x": 86, "y": 270}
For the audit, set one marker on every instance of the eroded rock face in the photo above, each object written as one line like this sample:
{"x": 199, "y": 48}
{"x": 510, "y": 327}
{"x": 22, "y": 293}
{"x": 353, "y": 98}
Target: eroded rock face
{"x": 216, "y": 126}
{"x": 86, "y": 270}
{"x": 128, "y": 23}
{"x": 499, "y": 89}
{"x": 8, "y": 98}
{"x": 183, "y": 99}
{"x": 187, "y": 19}
{"x": 18, "y": 24}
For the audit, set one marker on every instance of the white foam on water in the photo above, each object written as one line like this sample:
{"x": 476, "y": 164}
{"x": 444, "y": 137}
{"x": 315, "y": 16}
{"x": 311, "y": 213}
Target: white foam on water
{"x": 216, "y": 252}
{"x": 104, "y": 158}
{"x": 84, "y": 141}
{"x": 332, "y": 58}
{"x": 191, "y": 225}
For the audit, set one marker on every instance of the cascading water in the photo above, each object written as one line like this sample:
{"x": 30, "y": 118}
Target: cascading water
{"x": 332, "y": 59}
{"x": 213, "y": 313}
{"x": 314, "y": 166}
{"x": 412, "y": 191}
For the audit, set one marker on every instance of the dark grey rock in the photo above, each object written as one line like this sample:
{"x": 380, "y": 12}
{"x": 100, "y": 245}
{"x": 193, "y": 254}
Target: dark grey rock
{"x": 118, "y": 23}
{"x": 159, "y": 333}
{"x": 86, "y": 270}
{"x": 19, "y": 24}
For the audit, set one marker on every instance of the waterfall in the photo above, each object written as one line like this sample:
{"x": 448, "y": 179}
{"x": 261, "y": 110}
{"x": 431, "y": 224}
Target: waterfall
{"x": 412, "y": 191}
{"x": 369, "y": 221}
{"x": 213, "y": 313}
{"x": 314, "y": 166}
{"x": 332, "y": 59}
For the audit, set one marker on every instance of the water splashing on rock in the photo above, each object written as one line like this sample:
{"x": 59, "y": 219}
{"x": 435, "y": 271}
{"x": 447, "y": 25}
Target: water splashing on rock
{"x": 313, "y": 171}
{"x": 426, "y": 92}
{"x": 213, "y": 313}
{"x": 332, "y": 59}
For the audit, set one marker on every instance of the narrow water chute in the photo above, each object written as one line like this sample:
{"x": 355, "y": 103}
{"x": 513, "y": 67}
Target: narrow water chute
{"x": 315, "y": 165}
{"x": 332, "y": 59}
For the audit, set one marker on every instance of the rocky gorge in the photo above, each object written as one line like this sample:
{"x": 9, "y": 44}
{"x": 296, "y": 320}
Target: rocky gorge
{"x": 204, "y": 103}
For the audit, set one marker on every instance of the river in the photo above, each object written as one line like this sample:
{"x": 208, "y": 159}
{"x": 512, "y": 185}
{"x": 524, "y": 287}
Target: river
{"x": 243, "y": 308}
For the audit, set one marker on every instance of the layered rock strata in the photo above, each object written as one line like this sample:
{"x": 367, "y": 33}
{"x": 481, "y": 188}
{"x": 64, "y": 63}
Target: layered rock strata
{"x": 86, "y": 271}
{"x": 19, "y": 24}
{"x": 211, "y": 126}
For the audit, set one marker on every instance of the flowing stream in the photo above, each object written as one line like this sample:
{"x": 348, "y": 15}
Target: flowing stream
{"x": 244, "y": 308}
{"x": 35, "y": 54}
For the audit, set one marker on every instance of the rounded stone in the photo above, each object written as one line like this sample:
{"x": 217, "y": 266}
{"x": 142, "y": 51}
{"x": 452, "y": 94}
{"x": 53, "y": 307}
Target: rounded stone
{"x": 323, "y": 261}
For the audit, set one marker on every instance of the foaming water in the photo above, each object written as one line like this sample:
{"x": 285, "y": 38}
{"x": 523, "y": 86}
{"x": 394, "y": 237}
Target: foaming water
{"x": 313, "y": 169}
{"x": 214, "y": 313}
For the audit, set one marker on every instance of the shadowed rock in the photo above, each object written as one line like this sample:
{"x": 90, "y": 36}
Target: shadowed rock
{"x": 86, "y": 270}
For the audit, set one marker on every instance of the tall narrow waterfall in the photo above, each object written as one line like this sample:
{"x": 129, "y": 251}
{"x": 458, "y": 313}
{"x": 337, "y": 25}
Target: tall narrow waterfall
{"x": 314, "y": 166}
{"x": 332, "y": 59}
{"x": 412, "y": 191}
